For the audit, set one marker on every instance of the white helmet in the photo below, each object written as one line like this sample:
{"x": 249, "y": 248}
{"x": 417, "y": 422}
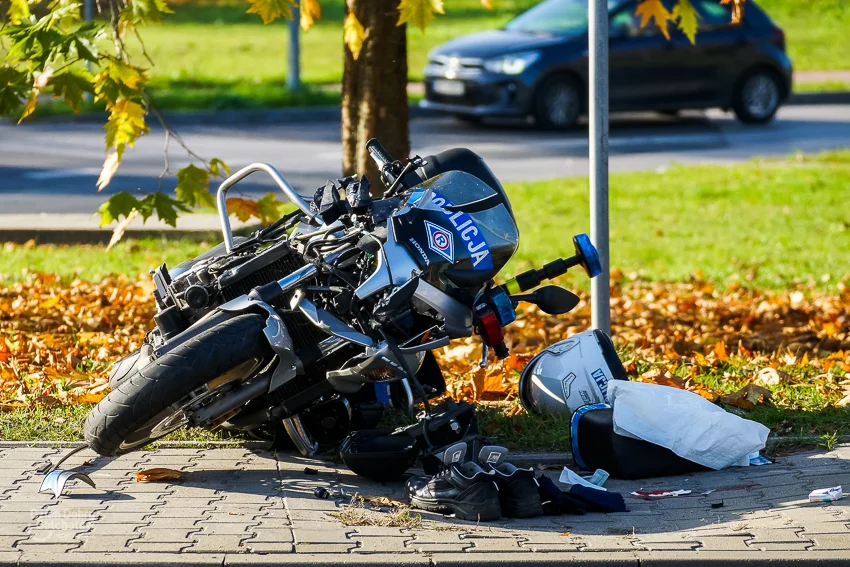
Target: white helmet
{"x": 570, "y": 374}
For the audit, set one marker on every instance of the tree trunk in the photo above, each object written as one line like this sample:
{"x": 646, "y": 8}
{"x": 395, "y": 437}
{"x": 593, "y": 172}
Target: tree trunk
{"x": 374, "y": 89}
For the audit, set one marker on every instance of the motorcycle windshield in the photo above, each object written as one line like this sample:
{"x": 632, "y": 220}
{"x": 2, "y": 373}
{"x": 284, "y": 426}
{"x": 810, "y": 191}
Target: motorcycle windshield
{"x": 460, "y": 227}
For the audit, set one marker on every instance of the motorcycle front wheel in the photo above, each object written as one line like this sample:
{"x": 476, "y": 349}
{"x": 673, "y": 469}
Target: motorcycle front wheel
{"x": 148, "y": 401}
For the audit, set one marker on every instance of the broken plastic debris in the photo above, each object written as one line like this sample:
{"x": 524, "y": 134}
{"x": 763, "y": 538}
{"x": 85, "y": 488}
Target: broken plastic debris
{"x": 571, "y": 478}
{"x": 598, "y": 477}
{"x": 659, "y": 493}
{"x": 759, "y": 460}
{"x": 826, "y": 494}
{"x": 56, "y": 480}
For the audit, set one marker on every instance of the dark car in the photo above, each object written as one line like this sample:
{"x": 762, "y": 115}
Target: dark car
{"x": 537, "y": 65}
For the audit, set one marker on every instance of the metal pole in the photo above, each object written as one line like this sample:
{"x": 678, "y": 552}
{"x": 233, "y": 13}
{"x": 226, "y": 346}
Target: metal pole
{"x": 600, "y": 293}
{"x": 293, "y": 75}
{"x": 88, "y": 16}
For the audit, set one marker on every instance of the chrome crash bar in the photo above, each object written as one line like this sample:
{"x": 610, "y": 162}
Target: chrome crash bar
{"x": 221, "y": 197}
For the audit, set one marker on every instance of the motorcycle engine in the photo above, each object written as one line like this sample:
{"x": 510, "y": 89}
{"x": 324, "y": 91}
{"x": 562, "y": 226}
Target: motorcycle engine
{"x": 203, "y": 283}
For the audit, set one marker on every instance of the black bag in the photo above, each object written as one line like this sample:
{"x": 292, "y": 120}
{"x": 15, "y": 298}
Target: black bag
{"x": 596, "y": 446}
{"x": 450, "y": 423}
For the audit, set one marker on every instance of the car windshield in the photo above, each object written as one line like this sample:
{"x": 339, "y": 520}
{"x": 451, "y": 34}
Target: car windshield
{"x": 559, "y": 17}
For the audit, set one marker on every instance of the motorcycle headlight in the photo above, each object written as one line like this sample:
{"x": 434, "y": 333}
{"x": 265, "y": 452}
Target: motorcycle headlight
{"x": 512, "y": 64}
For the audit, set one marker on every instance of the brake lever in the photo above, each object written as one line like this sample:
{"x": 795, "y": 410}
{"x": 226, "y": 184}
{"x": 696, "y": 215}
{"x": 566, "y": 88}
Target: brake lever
{"x": 485, "y": 354}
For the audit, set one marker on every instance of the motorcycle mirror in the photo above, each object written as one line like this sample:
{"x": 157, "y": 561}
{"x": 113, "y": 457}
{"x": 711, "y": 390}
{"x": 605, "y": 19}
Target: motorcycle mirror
{"x": 555, "y": 300}
{"x": 588, "y": 255}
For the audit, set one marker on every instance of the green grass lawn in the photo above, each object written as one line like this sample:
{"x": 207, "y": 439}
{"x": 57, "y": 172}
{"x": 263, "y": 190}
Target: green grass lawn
{"x": 215, "y": 56}
{"x": 767, "y": 223}
{"x": 222, "y": 44}
{"x": 816, "y": 31}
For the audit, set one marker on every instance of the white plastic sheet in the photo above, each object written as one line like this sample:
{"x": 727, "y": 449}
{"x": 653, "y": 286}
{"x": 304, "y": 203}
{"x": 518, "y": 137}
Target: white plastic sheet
{"x": 686, "y": 423}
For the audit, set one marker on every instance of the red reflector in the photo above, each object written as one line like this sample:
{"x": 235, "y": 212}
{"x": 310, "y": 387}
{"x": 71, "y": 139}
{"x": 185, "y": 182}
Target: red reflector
{"x": 491, "y": 329}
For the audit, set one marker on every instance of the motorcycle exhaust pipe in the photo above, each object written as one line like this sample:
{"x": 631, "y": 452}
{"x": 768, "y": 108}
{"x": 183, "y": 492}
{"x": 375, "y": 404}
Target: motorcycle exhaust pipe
{"x": 298, "y": 433}
{"x": 251, "y": 389}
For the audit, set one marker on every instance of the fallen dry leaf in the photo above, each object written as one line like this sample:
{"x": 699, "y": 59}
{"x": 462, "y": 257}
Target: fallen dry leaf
{"x": 158, "y": 474}
{"x": 378, "y": 501}
{"x": 57, "y": 341}
{"x": 772, "y": 377}
{"x": 720, "y": 351}
{"x": 748, "y": 397}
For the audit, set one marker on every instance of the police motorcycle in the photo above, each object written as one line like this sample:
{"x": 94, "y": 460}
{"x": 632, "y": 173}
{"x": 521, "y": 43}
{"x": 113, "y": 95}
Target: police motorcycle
{"x": 310, "y": 326}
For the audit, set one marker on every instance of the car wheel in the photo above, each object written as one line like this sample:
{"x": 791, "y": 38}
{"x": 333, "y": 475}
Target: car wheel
{"x": 757, "y": 97}
{"x": 558, "y": 103}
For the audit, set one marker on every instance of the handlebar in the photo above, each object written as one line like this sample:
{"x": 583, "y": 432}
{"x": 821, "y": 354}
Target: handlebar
{"x": 586, "y": 256}
{"x": 378, "y": 153}
{"x": 221, "y": 197}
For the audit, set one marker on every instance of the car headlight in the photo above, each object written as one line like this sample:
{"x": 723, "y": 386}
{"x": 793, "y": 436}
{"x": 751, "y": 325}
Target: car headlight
{"x": 512, "y": 64}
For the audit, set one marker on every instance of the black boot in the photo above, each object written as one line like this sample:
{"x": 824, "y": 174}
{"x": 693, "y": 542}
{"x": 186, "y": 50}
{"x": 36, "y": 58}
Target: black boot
{"x": 518, "y": 489}
{"x": 465, "y": 489}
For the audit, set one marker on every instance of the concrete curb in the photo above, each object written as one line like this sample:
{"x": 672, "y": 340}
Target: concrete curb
{"x": 102, "y": 236}
{"x": 518, "y": 458}
{"x": 300, "y": 115}
{"x": 94, "y": 236}
{"x": 840, "y": 97}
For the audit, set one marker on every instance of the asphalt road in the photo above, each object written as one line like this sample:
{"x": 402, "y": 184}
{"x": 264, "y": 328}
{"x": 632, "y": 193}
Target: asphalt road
{"x": 51, "y": 167}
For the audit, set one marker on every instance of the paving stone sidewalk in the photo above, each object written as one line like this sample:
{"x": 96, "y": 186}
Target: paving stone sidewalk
{"x": 238, "y": 506}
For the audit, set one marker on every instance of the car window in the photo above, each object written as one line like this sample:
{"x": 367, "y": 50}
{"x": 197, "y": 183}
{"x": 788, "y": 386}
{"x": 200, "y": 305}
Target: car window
{"x": 561, "y": 17}
{"x": 626, "y": 24}
{"x": 713, "y": 15}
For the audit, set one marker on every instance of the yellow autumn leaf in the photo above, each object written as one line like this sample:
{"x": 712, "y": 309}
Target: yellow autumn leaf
{"x": 270, "y": 10}
{"x": 32, "y": 102}
{"x": 130, "y": 75}
{"x": 310, "y": 12}
{"x": 107, "y": 171}
{"x": 686, "y": 18}
{"x": 49, "y": 302}
{"x": 18, "y": 11}
{"x": 419, "y": 12}
{"x": 243, "y": 209}
{"x": 654, "y": 9}
{"x": 737, "y": 9}
{"x": 353, "y": 34}
{"x": 125, "y": 125}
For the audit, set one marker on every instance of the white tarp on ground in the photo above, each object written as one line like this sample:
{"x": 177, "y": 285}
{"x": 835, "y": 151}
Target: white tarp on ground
{"x": 686, "y": 423}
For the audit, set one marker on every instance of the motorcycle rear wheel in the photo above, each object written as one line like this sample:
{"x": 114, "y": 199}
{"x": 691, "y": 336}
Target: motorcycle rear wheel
{"x": 145, "y": 403}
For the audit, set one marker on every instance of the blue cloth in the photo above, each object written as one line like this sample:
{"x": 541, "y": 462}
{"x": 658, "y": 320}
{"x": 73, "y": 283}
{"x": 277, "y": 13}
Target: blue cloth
{"x": 578, "y": 500}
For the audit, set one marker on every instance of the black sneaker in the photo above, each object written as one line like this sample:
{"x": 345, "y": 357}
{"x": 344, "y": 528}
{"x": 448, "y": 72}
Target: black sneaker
{"x": 518, "y": 494}
{"x": 465, "y": 489}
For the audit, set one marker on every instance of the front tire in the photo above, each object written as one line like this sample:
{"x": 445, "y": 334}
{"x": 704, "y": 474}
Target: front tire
{"x": 757, "y": 97}
{"x": 557, "y": 104}
{"x": 138, "y": 410}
